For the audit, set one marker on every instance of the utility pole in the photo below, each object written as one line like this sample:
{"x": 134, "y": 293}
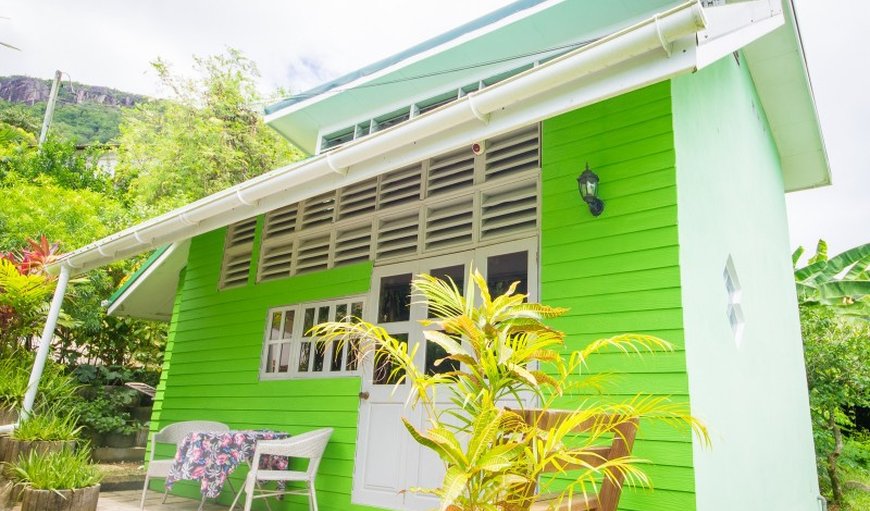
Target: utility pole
{"x": 49, "y": 108}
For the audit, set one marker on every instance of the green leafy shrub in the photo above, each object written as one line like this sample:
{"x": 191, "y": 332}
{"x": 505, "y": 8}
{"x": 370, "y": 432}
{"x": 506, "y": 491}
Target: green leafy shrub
{"x": 51, "y": 425}
{"x": 56, "y": 388}
{"x": 62, "y": 470}
{"x": 107, "y": 412}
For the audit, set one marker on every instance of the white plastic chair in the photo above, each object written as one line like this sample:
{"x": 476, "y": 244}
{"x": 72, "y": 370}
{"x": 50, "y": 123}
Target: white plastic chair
{"x": 307, "y": 445}
{"x": 174, "y": 434}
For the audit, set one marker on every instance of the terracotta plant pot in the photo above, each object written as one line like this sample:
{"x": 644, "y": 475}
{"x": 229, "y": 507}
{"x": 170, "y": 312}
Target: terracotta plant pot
{"x": 11, "y": 449}
{"x": 82, "y": 499}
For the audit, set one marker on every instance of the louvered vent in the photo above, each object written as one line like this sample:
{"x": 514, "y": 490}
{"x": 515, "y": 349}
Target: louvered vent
{"x": 353, "y": 244}
{"x": 281, "y": 221}
{"x": 450, "y": 223}
{"x": 400, "y": 187}
{"x": 451, "y": 172}
{"x": 237, "y": 253}
{"x": 509, "y": 209}
{"x": 513, "y": 153}
{"x": 318, "y": 210}
{"x": 313, "y": 254}
{"x": 398, "y": 235}
{"x": 358, "y": 199}
{"x": 277, "y": 260}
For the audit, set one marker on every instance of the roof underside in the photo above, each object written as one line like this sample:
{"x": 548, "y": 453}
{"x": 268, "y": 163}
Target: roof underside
{"x": 515, "y": 35}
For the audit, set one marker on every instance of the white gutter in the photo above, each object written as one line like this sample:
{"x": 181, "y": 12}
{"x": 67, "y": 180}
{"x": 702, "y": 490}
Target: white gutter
{"x": 245, "y": 200}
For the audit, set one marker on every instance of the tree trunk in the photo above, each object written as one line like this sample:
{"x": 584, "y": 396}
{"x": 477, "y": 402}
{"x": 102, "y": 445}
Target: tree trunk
{"x": 836, "y": 489}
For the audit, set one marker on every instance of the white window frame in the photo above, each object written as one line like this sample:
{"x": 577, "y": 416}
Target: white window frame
{"x": 297, "y": 339}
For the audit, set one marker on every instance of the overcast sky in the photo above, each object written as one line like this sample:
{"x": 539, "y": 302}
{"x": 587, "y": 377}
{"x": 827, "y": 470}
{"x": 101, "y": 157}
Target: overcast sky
{"x": 299, "y": 44}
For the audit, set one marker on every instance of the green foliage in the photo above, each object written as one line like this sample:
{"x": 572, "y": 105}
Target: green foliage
{"x": 51, "y": 424}
{"x": 206, "y": 139}
{"x": 834, "y": 298}
{"x": 60, "y": 160}
{"x": 106, "y": 412}
{"x": 30, "y": 208}
{"x": 23, "y": 304}
{"x": 81, "y": 123}
{"x": 841, "y": 282}
{"x": 56, "y": 388}
{"x": 500, "y": 350}
{"x": 63, "y": 470}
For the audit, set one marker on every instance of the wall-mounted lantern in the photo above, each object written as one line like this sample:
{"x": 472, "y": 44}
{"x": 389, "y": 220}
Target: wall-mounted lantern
{"x": 587, "y": 182}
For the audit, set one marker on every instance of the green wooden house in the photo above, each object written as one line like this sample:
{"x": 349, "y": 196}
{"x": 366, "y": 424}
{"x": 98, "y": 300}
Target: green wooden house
{"x": 696, "y": 118}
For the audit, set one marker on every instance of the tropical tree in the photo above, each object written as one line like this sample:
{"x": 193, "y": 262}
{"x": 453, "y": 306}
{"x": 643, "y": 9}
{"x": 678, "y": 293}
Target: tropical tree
{"x": 207, "y": 138}
{"x": 498, "y": 351}
{"x": 841, "y": 282}
{"x": 834, "y": 300}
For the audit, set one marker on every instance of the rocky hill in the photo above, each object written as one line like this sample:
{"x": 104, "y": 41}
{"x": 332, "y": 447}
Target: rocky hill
{"x": 86, "y": 114}
{"x": 28, "y": 90}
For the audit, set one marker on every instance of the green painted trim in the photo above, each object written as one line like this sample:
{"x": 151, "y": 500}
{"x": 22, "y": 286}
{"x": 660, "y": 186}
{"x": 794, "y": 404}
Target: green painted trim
{"x": 138, "y": 273}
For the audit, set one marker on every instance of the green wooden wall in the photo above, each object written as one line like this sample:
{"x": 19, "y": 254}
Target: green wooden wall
{"x": 620, "y": 272}
{"x": 212, "y": 363}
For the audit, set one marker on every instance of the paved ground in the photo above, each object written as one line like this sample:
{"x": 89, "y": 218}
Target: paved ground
{"x": 128, "y": 500}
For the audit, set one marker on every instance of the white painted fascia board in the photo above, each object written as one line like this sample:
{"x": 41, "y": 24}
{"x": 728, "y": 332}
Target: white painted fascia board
{"x": 413, "y": 59}
{"x": 736, "y": 25}
{"x": 176, "y": 252}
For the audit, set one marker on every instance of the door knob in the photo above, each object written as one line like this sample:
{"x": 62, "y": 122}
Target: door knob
{"x": 363, "y": 395}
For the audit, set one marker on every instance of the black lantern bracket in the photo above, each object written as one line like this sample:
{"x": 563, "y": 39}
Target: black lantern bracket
{"x": 587, "y": 183}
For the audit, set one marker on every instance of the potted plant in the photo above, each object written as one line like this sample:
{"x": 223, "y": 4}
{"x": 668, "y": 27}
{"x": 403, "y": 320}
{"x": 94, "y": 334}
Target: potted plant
{"x": 41, "y": 433}
{"x": 498, "y": 349}
{"x": 65, "y": 480}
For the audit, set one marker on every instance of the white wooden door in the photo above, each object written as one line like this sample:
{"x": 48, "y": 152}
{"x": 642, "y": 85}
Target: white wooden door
{"x": 388, "y": 460}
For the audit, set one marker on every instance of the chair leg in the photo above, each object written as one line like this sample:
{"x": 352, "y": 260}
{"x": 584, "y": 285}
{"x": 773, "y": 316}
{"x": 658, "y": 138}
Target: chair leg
{"x": 249, "y": 492}
{"x": 165, "y": 494}
{"x": 201, "y": 503}
{"x": 312, "y": 496}
{"x": 144, "y": 492}
{"x": 265, "y": 500}
{"x": 238, "y": 494}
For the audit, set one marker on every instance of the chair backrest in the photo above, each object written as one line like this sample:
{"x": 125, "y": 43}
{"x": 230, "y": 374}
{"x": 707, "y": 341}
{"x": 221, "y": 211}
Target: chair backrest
{"x": 308, "y": 445}
{"x": 624, "y": 433}
{"x": 175, "y": 433}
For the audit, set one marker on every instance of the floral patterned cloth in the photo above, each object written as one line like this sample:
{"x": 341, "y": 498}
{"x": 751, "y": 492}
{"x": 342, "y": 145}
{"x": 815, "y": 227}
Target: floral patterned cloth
{"x": 210, "y": 457}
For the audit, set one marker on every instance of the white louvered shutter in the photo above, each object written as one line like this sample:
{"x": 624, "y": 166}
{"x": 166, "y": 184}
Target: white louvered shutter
{"x": 353, "y": 244}
{"x": 358, "y": 199}
{"x": 313, "y": 254}
{"x": 237, "y": 253}
{"x": 398, "y": 235}
{"x": 319, "y": 210}
{"x": 513, "y": 153}
{"x": 451, "y": 172}
{"x": 508, "y": 209}
{"x": 400, "y": 186}
{"x": 450, "y": 223}
{"x": 276, "y": 254}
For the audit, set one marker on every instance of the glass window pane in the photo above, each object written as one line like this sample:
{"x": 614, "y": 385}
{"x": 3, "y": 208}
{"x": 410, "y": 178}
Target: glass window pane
{"x": 270, "y": 359}
{"x": 284, "y": 361}
{"x": 356, "y": 310}
{"x": 323, "y": 314}
{"x": 319, "y": 355}
{"x": 337, "y": 356}
{"x": 353, "y": 355}
{"x": 454, "y": 273}
{"x": 434, "y": 353}
{"x": 308, "y": 321}
{"x": 504, "y": 270}
{"x": 288, "y": 323}
{"x": 383, "y": 366}
{"x": 341, "y": 312}
{"x": 275, "y": 326}
{"x": 304, "y": 356}
{"x": 395, "y": 299}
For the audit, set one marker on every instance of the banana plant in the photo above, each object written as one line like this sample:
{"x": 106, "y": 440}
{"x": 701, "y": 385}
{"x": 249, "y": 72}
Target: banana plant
{"x": 502, "y": 349}
{"x": 841, "y": 282}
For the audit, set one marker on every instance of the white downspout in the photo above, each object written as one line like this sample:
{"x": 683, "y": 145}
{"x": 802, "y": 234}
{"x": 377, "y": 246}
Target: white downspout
{"x": 45, "y": 342}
